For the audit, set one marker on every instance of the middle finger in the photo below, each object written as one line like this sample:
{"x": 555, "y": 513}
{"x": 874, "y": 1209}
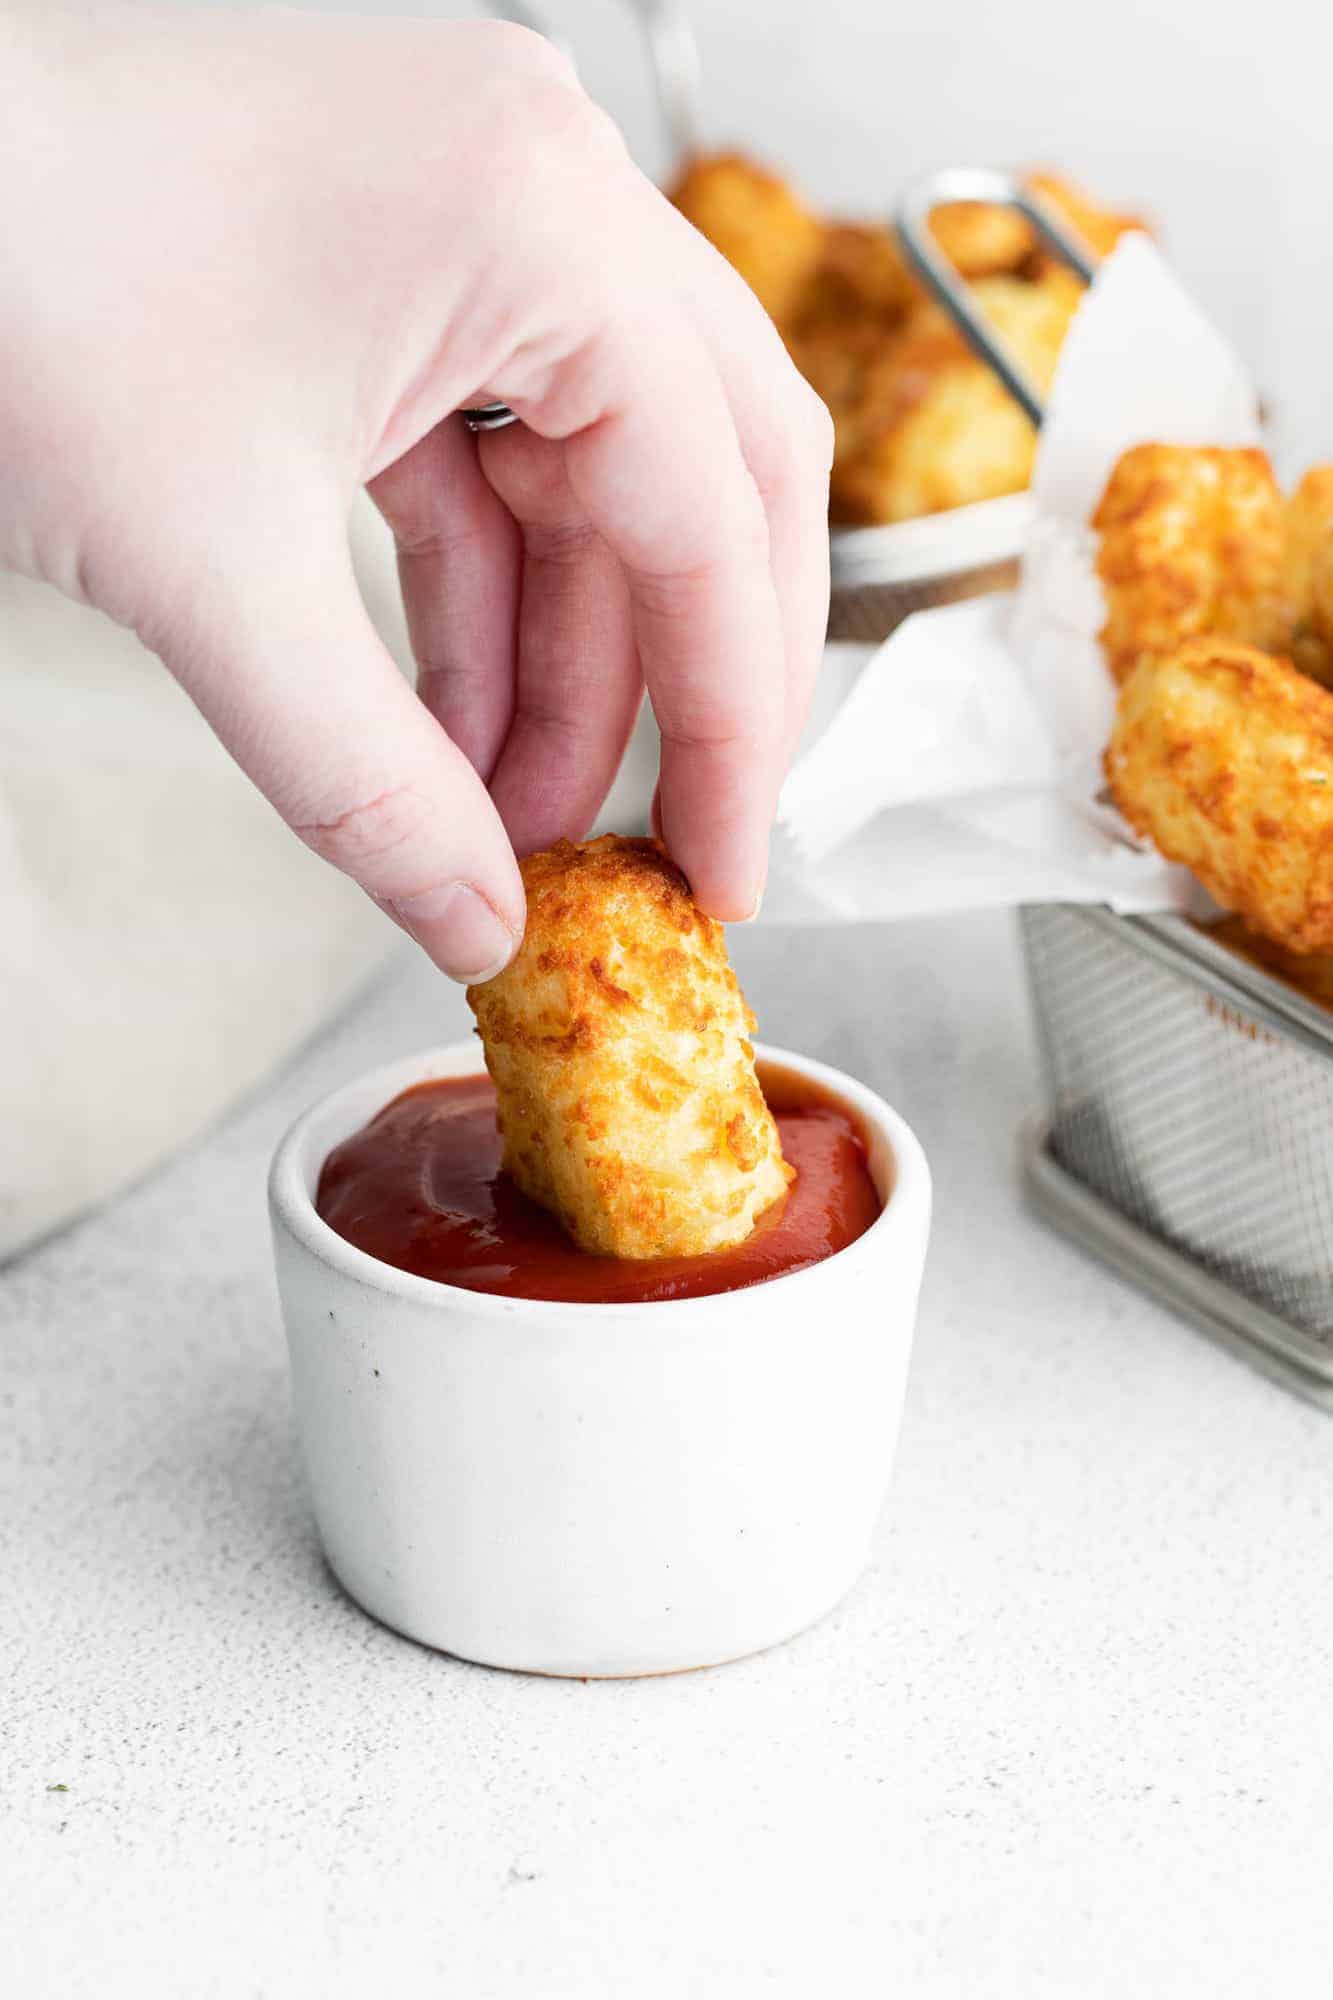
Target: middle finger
{"x": 578, "y": 683}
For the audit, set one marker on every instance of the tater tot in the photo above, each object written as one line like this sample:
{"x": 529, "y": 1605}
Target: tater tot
{"x": 921, "y": 425}
{"x": 1307, "y": 573}
{"x": 1223, "y": 757}
{"x": 758, "y": 224}
{"x": 981, "y": 239}
{"x": 1191, "y": 543}
{"x": 618, "y": 1043}
{"x": 1100, "y": 228}
{"x": 1312, "y": 974}
{"x": 935, "y": 428}
{"x": 860, "y": 280}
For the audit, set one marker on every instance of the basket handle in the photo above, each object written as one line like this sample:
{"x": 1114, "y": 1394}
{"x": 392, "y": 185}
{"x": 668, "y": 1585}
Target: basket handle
{"x": 942, "y": 281}
{"x": 673, "y": 57}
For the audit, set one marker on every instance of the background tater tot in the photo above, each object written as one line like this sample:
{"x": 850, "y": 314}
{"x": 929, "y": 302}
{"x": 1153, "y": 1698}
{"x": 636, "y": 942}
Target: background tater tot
{"x": 982, "y": 240}
{"x": 921, "y": 426}
{"x": 935, "y": 428}
{"x": 1100, "y": 228}
{"x": 1223, "y": 757}
{"x": 758, "y": 224}
{"x": 618, "y": 1042}
{"x": 860, "y": 279}
{"x": 1311, "y": 974}
{"x": 1191, "y": 546}
{"x": 1307, "y": 573}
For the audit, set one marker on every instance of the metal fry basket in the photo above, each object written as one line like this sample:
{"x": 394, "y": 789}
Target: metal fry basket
{"x": 880, "y": 576}
{"x": 1188, "y": 1134}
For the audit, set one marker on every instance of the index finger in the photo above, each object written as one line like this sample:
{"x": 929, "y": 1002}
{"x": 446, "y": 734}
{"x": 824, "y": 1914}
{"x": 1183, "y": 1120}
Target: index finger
{"x": 653, "y": 456}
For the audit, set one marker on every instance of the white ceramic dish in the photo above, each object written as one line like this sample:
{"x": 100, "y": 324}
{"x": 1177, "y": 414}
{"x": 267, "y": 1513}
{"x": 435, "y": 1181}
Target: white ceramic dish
{"x": 596, "y": 1489}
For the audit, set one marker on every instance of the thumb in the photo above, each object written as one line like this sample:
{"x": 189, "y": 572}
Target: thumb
{"x": 293, "y": 678}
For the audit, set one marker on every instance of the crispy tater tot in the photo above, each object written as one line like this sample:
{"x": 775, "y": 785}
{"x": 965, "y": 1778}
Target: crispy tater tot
{"x": 920, "y": 423}
{"x": 1311, "y": 975}
{"x": 859, "y": 280}
{"x": 935, "y": 429}
{"x": 1307, "y": 573}
{"x": 618, "y": 1042}
{"x": 862, "y": 274}
{"x": 1100, "y": 228}
{"x": 1223, "y": 757}
{"x": 981, "y": 239}
{"x": 758, "y": 224}
{"x": 1190, "y": 547}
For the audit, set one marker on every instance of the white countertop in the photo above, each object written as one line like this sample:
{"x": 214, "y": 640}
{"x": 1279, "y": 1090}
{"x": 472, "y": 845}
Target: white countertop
{"x": 1071, "y": 1735}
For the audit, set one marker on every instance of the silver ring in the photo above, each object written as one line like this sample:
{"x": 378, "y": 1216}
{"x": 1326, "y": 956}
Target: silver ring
{"x": 488, "y": 417}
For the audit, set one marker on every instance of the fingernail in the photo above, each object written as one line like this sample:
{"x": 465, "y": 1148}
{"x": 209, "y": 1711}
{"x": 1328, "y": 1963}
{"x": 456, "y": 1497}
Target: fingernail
{"x": 459, "y": 929}
{"x": 758, "y": 904}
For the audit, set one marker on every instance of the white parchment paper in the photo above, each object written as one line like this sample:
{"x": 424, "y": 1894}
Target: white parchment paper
{"x": 963, "y": 768}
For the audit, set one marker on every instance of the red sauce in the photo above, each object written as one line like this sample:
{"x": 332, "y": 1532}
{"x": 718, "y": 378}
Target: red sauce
{"x": 420, "y": 1187}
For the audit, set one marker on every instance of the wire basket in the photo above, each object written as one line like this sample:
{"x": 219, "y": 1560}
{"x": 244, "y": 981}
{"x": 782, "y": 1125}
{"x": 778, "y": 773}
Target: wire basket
{"x": 1189, "y": 1127}
{"x": 879, "y": 576}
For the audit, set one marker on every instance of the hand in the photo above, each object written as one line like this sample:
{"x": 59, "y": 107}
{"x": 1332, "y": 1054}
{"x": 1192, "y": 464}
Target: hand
{"x": 253, "y": 262}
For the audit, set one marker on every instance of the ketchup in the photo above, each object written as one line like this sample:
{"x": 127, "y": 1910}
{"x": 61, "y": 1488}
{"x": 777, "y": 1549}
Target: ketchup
{"x": 421, "y": 1187}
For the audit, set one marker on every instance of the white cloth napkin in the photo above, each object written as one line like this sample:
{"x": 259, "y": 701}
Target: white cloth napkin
{"x": 964, "y": 767}
{"x": 166, "y": 940}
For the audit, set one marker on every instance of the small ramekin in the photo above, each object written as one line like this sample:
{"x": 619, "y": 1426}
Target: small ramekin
{"x": 596, "y": 1489}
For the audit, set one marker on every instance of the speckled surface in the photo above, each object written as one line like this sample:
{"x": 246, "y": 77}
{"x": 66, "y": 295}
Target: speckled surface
{"x": 1072, "y": 1735}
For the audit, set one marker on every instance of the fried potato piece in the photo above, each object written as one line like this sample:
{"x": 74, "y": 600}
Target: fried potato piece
{"x": 1312, "y": 975}
{"x": 933, "y": 427}
{"x": 859, "y": 280}
{"x": 1307, "y": 573}
{"x": 862, "y": 275}
{"x": 1100, "y": 228}
{"x": 1191, "y": 547}
{"x": 1223, "y": 757}
{"x": 617, "y": 1040}
{"x": 981, "y": 239}
{"x": 758, "y": 224}
{"x": 920, "y": 424}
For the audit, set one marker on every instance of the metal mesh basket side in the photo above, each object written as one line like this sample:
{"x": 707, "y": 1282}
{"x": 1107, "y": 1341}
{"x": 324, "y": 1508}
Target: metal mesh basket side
{"x": 1188, "y": 1113}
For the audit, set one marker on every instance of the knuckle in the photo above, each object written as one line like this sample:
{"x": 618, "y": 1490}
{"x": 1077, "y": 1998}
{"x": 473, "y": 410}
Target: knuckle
{"x": 528, "y": 473}
{"x": 546, "y": 129}
{"x": 716, "y": 557}
{"x": 675, "y": 595}
{"x": 797, "y": 444}
{"x": 807, "y": 422}
{"x": 719, "y": 728}
{"x": 514, "y": 51}
{"x": 560, "y": 544}
{"x": 364, "y": 834}
{"x": 816, "y": 423}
